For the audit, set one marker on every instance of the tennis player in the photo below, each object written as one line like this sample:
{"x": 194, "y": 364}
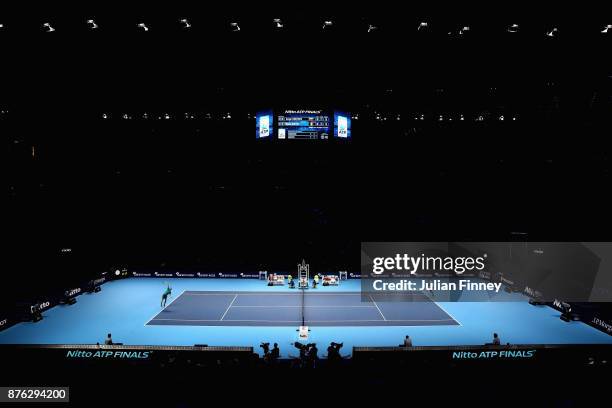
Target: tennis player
{"x": 167, "y": 292}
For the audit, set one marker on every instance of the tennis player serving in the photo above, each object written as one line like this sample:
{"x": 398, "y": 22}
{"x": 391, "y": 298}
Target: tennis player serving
{"x": 167, "y": 292}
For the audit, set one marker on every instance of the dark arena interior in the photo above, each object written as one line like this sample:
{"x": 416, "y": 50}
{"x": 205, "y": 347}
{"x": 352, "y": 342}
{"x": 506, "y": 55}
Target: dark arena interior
{"x": 292, "y": 202}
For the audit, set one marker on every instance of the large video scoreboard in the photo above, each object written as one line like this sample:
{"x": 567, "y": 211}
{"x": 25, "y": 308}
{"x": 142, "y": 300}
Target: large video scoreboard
{"x": 303, "y": 124}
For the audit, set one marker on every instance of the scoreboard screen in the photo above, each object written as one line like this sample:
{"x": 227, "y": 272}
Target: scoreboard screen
{"x": 303, "y": 124}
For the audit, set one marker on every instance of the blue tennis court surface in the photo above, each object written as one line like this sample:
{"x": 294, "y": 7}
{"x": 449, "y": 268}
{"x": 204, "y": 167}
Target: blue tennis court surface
{"x": 206, "y": 308}
{"x": 125, "y": 307}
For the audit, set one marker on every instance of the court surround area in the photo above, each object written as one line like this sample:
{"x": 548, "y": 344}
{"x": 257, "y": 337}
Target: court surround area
{"x": 246, "y": 312}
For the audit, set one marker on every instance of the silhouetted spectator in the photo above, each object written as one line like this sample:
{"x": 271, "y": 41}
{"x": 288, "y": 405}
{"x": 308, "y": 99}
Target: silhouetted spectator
{"x": 407, "y": 342}
{"x": 275, "y": 353}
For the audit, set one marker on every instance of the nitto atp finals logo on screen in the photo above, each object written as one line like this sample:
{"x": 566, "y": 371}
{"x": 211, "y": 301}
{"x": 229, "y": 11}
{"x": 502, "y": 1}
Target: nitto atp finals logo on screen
{"x": 342, "y": 125}
{"x": 264, "y": 125}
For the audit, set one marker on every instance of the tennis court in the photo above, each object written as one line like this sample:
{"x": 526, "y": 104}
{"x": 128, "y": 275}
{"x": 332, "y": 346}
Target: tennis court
{"x": 204, "y": 308}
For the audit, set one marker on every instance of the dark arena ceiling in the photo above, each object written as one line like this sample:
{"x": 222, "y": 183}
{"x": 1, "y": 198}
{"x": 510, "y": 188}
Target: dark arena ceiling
{"x": 125, "y": 130}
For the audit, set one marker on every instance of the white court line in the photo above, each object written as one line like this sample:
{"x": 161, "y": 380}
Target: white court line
{"x": 443, "y": 309}
{"x": 246, "y": 293}
{"x": 167, "y": 304}
{"x": 214, "y": 294}
{"x": 381, "y": 313}
{"x": 312, "y": 321}
{"x": 230, "y": 305}
{"x": 323, "y": 307}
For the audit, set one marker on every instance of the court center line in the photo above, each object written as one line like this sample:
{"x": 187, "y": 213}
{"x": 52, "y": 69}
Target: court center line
{"x": 381, "y": 313}
{"x": 228, "y": 308}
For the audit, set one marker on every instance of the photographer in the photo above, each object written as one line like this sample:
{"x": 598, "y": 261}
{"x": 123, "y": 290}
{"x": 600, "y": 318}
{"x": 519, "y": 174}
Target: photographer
{"x": 303, "y": 352}
{"x": 333, "y": 352}
{"x": 312, "y": 355}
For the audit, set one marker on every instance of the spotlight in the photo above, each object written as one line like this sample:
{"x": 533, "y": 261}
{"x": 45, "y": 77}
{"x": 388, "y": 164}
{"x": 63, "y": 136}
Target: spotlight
{"x": 143, "y": 26}
{"x": 1, "y": 25}
{"x": 567, "y": 314}
{"x": 422, "y": 26}
{"x": 537, "y": 301}
{"x": 117, "y": 272}
{"x": 93, "y": 286}
{"x": 92, "y": 24}
{"x": 185, "y": 23}
{"x": 604, "y": 31}
{"x": 69, "y": 296}
{"x": 235, "y": 27}
{"x": 552, "y": 32}
{"x": 47, "y": 27}
{"x": 513, "y": 28}
{"x": 70, "y": 301}
{"x": 35, "y": 312}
